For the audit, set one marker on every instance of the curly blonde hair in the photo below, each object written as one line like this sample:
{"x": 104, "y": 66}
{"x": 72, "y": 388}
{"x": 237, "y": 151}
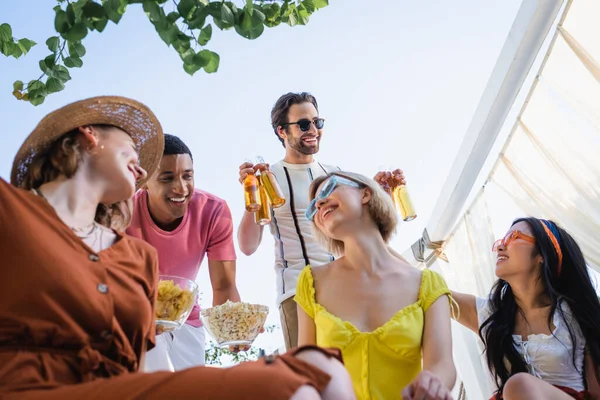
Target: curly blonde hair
{"x": 62, "y": 158}
{"x": 381, "y": 208}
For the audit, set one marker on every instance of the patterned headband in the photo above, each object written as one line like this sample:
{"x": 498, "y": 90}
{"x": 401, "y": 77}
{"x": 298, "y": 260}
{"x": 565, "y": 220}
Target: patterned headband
{"x": 554, "y": 237}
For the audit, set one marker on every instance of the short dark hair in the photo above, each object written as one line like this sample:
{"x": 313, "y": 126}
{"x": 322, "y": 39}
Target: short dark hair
{"x": 279, "y": 113}
{"x": 174, "y": 145}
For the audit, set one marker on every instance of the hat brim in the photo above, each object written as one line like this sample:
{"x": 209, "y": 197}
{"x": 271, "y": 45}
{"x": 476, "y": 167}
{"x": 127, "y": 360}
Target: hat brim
{"x": 129, "y": 115}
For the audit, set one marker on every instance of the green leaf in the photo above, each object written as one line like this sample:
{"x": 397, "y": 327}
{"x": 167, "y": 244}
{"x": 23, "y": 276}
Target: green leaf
{"x": 191, "y": 68}
{"x": 251, "y": 27}
{"x": 115, "y": 9}
{"x": 100, "y": 25}
{"x": 36, "y": 101}
{"x": 73, "y": 62}
{"x": 153, "y": 11}
{"x": 205, "y": 35}
{"x": 26, "y": 45}
{"x": 227, "y": 15}
{"x": 54, "y": 85}
{"x": 61, "y": 22}
{"x": 7, "y": 48}
{"x": 293, "y": 16}
{"x": 199, "y": 18}
{"x": 6, "y": 33}
{"x": 76, "y": 33}
{"x": 302, "y": 14}
{"x": 186, "y": 8}
{"x": 320, "y": 3}
{"x": 94, "y": 11}
{"x": 35, "y": 86}
{"x": 16, "y": 51}
{"x": 76, "y": 49}
{"x": 309, "y": 5}
{"x": 272, "y": 11}
{"x": 187, "y": 56}
{"x": 169, "y": 35}
{"x": 71, "y": 15}
{"x": 50, "y": 61}
{"x": 202, "y": 58}
{"x": 62, "y": 73}
{"x": 213, "y": 64}
{"x": 18, "y": 85}
{"x": 53, "y": 43}
{"x": 172, "y": 17}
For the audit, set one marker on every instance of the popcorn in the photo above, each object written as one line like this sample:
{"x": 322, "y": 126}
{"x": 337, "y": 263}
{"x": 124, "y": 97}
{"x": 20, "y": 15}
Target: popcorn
{"x": 235, "y": 323}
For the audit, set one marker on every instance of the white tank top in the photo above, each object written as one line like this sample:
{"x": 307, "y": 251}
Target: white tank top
{"x": 549, "y": 357}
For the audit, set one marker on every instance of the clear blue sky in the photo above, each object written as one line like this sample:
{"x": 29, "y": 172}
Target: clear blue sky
{"x": 397, "y": 81}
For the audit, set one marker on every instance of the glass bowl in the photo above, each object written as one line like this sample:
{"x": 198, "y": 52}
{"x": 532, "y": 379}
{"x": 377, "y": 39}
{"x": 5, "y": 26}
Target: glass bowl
{"x": 175, "y": 300}
{"x": 234, "y": 324}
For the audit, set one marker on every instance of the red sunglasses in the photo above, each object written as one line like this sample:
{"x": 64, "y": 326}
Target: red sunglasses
{"x": 511, "y": 237}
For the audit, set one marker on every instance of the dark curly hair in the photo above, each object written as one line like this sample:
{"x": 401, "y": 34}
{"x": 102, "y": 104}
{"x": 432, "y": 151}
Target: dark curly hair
{"x": 174, "y": 145}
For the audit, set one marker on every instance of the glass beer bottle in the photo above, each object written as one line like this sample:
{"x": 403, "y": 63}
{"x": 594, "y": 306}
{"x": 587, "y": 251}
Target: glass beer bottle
{"x": 403, "y": 203}
{"x": 251, "y": 193}
{"x": 262, "y": 216}
{"x": 400, "y": 197}
{"x": 269, "y": 182}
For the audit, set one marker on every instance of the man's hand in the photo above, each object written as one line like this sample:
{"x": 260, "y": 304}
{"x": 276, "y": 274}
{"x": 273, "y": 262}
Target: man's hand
{"x": 248, "y": 168}
{"x": 389, "y": 180}
{"x": 426, "y": 386}
{"x": 237, "y": 349}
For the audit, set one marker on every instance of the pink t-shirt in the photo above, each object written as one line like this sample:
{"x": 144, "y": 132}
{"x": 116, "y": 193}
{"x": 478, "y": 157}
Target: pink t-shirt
{"x": 206, "y": 228}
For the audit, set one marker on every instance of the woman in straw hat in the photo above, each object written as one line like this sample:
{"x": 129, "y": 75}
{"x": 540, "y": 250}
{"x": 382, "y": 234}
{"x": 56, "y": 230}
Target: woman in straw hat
{"x": 77, "y": 295}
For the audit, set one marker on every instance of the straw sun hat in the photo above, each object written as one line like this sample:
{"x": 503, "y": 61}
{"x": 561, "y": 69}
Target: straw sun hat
{"x": 126, "y": 114}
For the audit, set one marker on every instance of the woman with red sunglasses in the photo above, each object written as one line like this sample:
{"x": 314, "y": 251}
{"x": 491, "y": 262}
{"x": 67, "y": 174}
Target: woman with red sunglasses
{"x": 541, "y": 322}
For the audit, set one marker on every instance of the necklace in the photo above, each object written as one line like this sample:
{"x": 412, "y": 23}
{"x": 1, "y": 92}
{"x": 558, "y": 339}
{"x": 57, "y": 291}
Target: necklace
{"x": 89, "y": 229}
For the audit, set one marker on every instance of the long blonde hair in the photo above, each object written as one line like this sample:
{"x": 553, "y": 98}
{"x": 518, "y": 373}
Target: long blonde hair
{"x": 380, "y": 206}
{"x": 62, "y": 158}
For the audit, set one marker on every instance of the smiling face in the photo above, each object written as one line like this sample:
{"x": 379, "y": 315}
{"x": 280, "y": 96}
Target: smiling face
{"x": 516, "y": 253}
{"x": 114, "y": 160}
{"x": 305, "y": 143}
{"x": 338, "y": 204}
{"x": 170, "y": 190}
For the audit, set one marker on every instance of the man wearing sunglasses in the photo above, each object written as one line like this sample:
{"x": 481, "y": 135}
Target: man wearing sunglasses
{"x": 297, "y": 125}
{"x": 296, "y": 122}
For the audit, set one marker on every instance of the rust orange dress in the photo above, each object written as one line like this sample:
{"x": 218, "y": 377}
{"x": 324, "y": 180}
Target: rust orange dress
{"x": 74, "y": 323}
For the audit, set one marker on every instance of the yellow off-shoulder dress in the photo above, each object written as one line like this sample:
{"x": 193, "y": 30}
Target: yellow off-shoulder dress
{"x": 382, "y": 362}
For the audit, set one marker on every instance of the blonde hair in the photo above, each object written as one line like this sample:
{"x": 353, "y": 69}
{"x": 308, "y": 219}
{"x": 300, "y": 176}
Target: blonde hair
{"x": 381, "y": 209}
{"x": 62, "y": 158}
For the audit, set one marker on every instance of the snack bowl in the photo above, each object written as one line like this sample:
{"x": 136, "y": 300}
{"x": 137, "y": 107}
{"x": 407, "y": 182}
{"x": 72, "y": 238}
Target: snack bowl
{"x": 175, "y": 300}
{"x": 234, "y": 324}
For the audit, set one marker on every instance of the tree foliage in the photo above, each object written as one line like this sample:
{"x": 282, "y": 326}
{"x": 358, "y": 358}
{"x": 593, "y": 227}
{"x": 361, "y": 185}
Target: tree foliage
{"x": 185, "y": 25}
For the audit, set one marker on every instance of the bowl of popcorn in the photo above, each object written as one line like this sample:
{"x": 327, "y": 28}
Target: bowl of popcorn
{"x": 175, "y": 300}
{"x": 234, "y": 324}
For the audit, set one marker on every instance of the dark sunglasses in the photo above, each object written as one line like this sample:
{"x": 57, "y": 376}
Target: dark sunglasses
{"x": 304, "y": 124}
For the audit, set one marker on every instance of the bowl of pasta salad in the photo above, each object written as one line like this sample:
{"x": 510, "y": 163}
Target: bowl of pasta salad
{"x": 175, "y": 300}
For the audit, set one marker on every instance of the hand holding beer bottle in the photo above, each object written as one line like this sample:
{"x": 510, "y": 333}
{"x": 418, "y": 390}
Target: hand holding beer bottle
{"x": 268, "y": 193}
{"x": 393, "y": 182}
{"x": 249, "y": 181}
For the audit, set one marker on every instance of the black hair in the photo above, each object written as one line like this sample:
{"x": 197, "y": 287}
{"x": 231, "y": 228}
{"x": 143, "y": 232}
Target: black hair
{"x": 572, "y": 286}
{"x": 174, "y": 145}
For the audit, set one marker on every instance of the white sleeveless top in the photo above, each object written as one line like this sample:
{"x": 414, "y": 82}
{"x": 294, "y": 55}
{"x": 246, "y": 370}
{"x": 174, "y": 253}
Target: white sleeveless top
{"x": 549, "y": 357}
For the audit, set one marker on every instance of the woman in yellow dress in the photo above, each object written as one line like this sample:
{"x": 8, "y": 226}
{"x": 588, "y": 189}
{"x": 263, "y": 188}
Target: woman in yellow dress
{"x": 391, "y": 320}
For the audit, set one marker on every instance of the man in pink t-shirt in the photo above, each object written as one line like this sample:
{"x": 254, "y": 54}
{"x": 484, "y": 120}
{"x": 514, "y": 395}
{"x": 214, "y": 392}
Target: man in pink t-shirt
{"x": 184, "y": 224}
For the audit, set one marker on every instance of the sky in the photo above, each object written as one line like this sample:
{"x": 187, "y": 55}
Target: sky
{"x": 397, "y": 82}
